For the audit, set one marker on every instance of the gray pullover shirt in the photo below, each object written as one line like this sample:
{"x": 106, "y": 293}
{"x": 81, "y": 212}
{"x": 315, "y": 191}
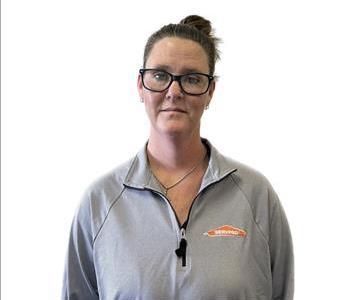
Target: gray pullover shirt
{"x": 126, "y": 241}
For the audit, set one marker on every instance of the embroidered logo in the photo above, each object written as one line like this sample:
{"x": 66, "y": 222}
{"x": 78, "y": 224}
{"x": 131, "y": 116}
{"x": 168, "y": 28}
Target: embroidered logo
{"x": 226, "y": 231}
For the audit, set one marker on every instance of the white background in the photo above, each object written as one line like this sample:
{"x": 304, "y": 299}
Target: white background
{"x": 70, "y": 113}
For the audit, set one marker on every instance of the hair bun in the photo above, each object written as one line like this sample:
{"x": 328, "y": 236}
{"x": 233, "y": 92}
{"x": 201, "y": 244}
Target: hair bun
{"x": 199, "y": 23}
{"x": 193, "y": 27}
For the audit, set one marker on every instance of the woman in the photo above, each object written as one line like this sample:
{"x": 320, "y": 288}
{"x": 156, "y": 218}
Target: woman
{"x": 179, "y": 220}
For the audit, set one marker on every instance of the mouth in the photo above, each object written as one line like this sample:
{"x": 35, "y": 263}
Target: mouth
{"x": 173, "y": 110}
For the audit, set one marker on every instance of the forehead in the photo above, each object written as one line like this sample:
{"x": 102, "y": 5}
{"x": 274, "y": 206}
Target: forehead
{"x": 178, "y": 55}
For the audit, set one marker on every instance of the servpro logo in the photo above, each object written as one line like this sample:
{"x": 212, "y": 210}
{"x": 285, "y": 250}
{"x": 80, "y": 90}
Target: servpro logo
{"x": 226, "y": 231}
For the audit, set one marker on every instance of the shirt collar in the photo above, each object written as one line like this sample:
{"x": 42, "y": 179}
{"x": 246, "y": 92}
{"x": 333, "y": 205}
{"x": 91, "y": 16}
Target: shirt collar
{"x": 140, "y": 176}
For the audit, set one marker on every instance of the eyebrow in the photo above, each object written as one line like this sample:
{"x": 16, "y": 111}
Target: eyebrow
{"x": 184, "y": 71}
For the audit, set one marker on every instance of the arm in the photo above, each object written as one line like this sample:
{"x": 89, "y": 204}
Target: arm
{"x": 79, "y": 276}
{"x": 281, "y": 251}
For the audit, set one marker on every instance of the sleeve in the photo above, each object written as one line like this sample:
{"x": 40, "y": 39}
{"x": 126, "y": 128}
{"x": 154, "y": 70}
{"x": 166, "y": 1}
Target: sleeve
{"x": 281, "y": 251}
{"x": 79, "y": 281}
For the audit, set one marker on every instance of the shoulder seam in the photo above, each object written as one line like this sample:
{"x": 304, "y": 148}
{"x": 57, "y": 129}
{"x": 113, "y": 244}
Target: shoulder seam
{"x": 105, "y": 218}
{"x": 251, "y": 209}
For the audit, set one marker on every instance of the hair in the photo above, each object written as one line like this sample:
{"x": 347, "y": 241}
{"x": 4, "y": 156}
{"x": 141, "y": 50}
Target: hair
{"x": 194, "y": 28}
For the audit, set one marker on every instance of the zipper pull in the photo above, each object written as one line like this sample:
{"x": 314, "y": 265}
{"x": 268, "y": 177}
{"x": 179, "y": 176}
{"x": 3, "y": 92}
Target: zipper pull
{"x": 181, "y": 251}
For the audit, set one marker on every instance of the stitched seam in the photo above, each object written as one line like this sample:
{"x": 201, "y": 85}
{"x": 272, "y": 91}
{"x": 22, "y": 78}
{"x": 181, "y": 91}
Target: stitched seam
{"x": 272, "y": 218}
{"x": 112, "y": 204}
{"x": 251, "y": 210}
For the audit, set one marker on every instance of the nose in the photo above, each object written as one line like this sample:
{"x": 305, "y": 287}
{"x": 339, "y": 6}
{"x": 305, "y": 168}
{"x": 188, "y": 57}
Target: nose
{"x": 174, "y": 90}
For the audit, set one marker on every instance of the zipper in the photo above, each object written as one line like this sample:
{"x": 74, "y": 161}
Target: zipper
{"x": 181, "y": 251}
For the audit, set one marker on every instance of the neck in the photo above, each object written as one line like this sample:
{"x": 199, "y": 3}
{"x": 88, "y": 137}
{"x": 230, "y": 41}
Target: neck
{"x": 175, "y": 152}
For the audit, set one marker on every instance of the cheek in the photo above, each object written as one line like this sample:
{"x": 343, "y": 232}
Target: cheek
{"x": 152, "y": 103}
{"x": 198, "y": 106}
{"x": 149, "y": 106}
{"x": 196, "y": 112}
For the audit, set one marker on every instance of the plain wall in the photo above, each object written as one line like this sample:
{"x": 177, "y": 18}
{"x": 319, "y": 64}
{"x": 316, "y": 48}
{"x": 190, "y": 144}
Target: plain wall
{"x": 71, "y": 112}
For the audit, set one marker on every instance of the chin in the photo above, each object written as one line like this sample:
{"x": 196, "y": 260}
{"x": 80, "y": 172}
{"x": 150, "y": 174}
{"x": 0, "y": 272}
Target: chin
{"x": 174, "y": 129}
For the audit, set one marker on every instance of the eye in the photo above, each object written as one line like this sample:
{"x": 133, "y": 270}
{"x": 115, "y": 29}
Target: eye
{"x": 193, "y": 79}
{"x": 160, "y": 76}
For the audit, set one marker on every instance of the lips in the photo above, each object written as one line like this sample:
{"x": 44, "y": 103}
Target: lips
{"x": 175, "y": 109}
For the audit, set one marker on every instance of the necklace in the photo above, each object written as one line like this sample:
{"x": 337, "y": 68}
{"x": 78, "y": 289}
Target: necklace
{"x": 167, "y": 188}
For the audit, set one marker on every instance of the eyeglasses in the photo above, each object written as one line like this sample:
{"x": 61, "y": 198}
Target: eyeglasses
{"x": 157, "y": 80}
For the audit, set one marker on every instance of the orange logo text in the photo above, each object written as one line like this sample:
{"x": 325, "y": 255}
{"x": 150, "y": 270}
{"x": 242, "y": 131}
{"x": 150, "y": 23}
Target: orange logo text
{"x": 227, "y": 231}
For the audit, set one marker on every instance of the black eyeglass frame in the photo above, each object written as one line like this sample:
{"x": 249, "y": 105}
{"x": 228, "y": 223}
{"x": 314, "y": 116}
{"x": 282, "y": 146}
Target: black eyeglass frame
{"x": 176, "y": 78}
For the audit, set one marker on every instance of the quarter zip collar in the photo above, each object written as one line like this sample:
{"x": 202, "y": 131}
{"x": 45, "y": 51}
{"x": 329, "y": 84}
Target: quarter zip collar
{"x": 140, "y": 176}
{"x": 219, "y": 166}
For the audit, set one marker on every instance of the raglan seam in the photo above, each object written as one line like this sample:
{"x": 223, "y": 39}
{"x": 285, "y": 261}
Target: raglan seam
{"x": 113, "y": 202}
{"x": 251, "y": 210}
{"x": 105, "y": 218}
{"x": 272, "y": 218}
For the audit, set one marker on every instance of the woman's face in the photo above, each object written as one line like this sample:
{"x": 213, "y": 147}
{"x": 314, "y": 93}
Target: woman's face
{"x": 172, "y": 111}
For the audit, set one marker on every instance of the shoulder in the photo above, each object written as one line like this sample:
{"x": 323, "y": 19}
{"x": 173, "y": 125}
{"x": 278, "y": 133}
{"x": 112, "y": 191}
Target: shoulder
{"x": 110, "y": 184}
{"x": 254, "y": 185}
{"x": 100, "y": 196}
{"x": 259, "y": 194}
{"x": 249, "y": 179}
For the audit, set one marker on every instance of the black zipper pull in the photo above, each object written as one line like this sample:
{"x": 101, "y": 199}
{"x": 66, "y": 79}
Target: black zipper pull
{"x": 181, "y": 251}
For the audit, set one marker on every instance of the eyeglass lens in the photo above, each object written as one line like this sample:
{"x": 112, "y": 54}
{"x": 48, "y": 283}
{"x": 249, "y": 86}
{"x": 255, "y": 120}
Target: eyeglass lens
{"x": 158, "y": 81}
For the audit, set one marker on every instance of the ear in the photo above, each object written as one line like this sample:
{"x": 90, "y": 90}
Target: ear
{"x": 211, "y": 91}
{"x": 140, "y": 86}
